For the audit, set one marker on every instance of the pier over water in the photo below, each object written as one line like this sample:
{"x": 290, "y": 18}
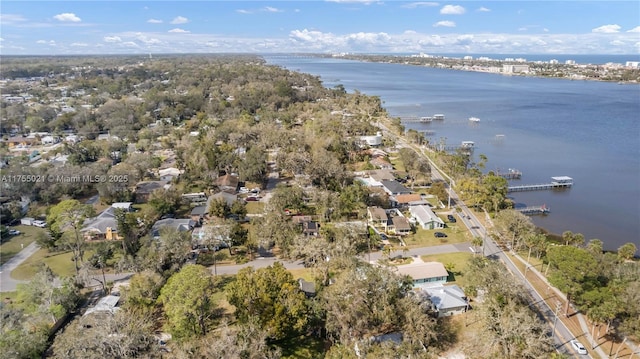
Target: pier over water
{"x": 556, "y": 183}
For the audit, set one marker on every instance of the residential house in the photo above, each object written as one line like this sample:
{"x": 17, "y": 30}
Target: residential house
{"x": 381, "y": 163}
{"x": 308, "y": 288}
{"x": 424, "y": 216}
{"x": 226, "y": 196}
{"x": 310, "y": 228}
{"x": 145, "y": 188}
{"x": 447, "y": 300}
{"x": 406, "y": 200}
{"x": 425, "y": 273}
{"x": 50, "y": 140}
{"x": 102, "y": 227}
{"x": 198, "y": 214}
{"x": 21, "y": 142}
{"x": 400, "y": 225}
{"x": 168, "y": 174}
{"x": 228, "y": 183}
{"x": 377, "y": 216}
{"x": 180, "y": 224}
{"x": 373, "y": 178}
{"x": 394, "y": 188}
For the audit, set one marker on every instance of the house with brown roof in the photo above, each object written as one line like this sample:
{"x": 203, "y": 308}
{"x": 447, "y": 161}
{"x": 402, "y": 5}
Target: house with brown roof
{"x": 377, "y": 216}
{"x": 21, "y": 142}
{"x": 400, "y": 225}
{"x": 228, "y": 183}
{"x": 407, "y": 199}
{"x": 425, "y": 272}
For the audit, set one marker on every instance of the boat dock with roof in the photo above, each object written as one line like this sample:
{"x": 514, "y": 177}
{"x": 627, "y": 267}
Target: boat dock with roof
{"x": 558, "y": 182}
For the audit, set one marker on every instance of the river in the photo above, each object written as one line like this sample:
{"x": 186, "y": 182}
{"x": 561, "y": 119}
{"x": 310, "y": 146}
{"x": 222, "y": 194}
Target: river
{"x": 544, "y": 127}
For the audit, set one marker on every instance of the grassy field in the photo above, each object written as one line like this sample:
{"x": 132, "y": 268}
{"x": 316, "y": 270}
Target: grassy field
{"x": 14, "y": 245}
{"x": 459, "y": 260}
{"x": 304, "y": 273}
{"x": 60, "y": 263}
{"x": 255, "y": 207}
{"x": 424, "y": 237}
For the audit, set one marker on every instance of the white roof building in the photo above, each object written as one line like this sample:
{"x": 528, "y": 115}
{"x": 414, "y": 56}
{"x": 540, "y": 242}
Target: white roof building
{"x": 425, "y": 217}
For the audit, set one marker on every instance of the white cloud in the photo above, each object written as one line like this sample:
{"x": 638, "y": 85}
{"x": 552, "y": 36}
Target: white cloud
{"x": 45, "y": 42}
{"x": 179, "y": 20}
{"x": 242, "y": 11}
{"x": 112, "y": 39}
{"x": 635, "y": 29}
{"x": 154, "y": 21}
{"x": 414, "y": 5}
{"x": 452, "y": 10}
{"x": 483, "y": 9}
{"x": 607, "y": 29}
{"x": 272, "y": 9}
{"x": 444, "y": 24}
{"x": 9, "y": 19}
{"x": 67, "y": 17}
{"x": 178, "y": 30}
{"x": 79, "y": 44}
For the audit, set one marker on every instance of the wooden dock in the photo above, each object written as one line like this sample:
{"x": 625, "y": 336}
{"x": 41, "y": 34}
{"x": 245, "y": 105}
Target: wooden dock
{"x": 532, "y": 210}
{"x": 557, "y": 183}
{"x": 512, "y": 174}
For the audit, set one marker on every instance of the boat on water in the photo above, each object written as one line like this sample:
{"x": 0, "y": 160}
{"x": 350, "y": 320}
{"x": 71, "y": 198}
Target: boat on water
{"x": 426, "y": 119}
{"x": 438, "y": 116}
{"x": 474, "y": 119}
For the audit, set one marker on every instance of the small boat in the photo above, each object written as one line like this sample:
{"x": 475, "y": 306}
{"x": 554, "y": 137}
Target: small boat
{"x": 474, "y": 119}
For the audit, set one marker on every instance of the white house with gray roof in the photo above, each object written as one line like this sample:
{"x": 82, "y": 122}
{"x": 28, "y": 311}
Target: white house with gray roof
{"x": 425, "y": 217}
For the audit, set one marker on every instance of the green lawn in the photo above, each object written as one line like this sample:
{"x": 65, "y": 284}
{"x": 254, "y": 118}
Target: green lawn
{"x": 304, "y": 273}
{"x": 460, "y": 262}
{"x": 60, "y": 263}
{"x": 14, "y": 245}
{"x": 425, "y": 237}
{"x": 255, "y": 207}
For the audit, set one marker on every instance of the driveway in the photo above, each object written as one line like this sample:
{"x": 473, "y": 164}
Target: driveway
{"x": 8, "y": 284}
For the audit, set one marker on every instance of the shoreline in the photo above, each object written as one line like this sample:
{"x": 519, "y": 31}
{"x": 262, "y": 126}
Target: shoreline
{"x": 574, "y": 72}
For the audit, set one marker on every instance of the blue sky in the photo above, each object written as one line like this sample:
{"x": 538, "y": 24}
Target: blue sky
{"x": 480, "y": 27}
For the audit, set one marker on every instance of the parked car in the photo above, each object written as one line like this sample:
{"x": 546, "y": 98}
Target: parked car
{"x": 14, "y": 232}
{"x": 40, "y": 224}
{"x": 578, "y": 347}
{"x": 439, "y": 235}
{"x": 383, "y": 237}
{"x": 451, "y": 218}
{"x": 251, "y": 199}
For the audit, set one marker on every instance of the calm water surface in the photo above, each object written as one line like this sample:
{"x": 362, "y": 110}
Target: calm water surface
{"x": 586, "y": 130}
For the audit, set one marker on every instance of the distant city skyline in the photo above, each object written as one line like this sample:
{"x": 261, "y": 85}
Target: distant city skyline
{"x": 335, "y": 26}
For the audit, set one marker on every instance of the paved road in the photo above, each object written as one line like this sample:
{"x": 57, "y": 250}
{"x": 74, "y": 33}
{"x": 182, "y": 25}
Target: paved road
{"x": 8, "y": 284}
